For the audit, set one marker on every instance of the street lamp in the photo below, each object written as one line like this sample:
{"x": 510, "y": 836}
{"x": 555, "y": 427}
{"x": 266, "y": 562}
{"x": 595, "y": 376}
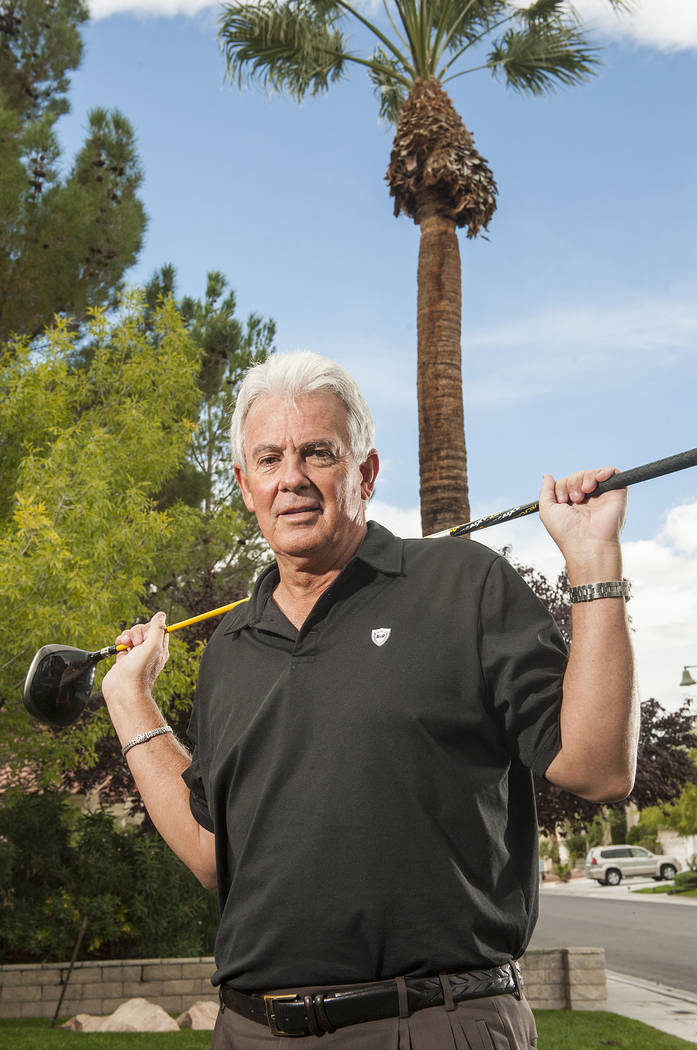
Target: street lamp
{"x": 687, "y": 678}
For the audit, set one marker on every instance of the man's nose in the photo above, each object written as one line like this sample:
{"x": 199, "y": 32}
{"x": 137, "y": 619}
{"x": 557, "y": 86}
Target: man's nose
{"x": 293, "y": 475}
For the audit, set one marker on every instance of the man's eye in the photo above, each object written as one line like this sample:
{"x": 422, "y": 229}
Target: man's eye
{"x": 320, "y": 453}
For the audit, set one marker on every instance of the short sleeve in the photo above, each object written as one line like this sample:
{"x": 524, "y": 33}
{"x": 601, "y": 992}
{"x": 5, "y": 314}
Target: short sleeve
{"x": 523, "y": 659}
{"x": 194, "y": 780}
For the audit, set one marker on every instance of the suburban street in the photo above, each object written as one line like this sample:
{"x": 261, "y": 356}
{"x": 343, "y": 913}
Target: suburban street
{"x": 652, "y": 939}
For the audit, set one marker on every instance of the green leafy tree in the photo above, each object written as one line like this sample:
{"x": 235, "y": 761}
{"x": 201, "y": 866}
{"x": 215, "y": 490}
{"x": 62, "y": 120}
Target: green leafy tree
{"x": 617, "y": 819}
{"x": 577, "y": 845}
{"x": 645, "y": 832}
{"x": 682, "y": 815}
{"x": 679, "y": 816}
{"x": 216, "y": 548}
{"x": 206, "y": 481}
{"x": 435, "y": 175}
{"x": 216, "y": 571}
{"x": 65, "y": 241}
{"x": 83, "y": 456}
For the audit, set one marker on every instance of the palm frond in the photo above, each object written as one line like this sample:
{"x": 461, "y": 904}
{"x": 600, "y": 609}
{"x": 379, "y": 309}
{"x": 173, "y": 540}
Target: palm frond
{"x": 540, "y": 58}
{"x": 467, "y": 21}
{"x": 389, "y": 87}
{"x": 544, "y": 11}
{"x": 293, "y": 46}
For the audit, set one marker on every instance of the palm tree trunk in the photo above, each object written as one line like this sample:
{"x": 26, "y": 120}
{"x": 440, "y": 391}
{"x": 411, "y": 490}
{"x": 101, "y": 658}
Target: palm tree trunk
{"x": 438, "y": 178}
{"x": 442, "y": 453}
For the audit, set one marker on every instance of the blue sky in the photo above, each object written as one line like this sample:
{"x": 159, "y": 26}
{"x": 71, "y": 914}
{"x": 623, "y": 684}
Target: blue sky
{"x": 579, "y": 312}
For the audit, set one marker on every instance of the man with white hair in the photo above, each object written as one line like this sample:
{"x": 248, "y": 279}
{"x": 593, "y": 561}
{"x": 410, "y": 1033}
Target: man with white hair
{"x": 364, "y": 729}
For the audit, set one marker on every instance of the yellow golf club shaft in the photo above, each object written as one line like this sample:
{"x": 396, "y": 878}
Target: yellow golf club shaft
{"x": 194, "y": 619}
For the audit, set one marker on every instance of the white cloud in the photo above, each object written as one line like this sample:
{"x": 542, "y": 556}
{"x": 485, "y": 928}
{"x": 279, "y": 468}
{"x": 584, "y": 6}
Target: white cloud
{"x": 663, "y": 572}
{"x": 162, "y": 8}
{"x": 661, "y": 24}
{"x": 681, "y": 528}
{"x": 666, "y": 25}
{"x": 606, "y": 339}
{"x": 403, "y": 521}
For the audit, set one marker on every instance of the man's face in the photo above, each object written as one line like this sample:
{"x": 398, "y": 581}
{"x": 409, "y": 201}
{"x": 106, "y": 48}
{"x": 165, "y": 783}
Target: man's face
{"x": 302, "y": 481}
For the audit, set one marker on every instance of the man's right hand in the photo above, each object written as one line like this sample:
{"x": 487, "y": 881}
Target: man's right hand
{"x": 138, "y": 667}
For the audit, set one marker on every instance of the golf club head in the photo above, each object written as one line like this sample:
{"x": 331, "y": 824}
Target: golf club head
{"x": 58, "y": 683}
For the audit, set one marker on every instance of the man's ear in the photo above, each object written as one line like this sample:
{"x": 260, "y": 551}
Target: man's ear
{"x": 244, "y": 488}
{"x": 369, "y": 473}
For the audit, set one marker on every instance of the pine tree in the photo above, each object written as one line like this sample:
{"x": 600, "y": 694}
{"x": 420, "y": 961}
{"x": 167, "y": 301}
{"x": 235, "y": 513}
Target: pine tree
{"x": 65, "y": 240}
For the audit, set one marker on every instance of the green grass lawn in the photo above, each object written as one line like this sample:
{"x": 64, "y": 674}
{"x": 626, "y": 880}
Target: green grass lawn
{"x": 38, "y": 1035}
{"x": 667, "y": 889}
{"x": 593, "y": 1030}
{"x": 558, "y": 1029}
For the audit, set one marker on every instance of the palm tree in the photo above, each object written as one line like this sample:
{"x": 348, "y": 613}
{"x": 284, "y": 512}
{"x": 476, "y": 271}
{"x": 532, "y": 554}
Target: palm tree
{"x": 435, "y": 175}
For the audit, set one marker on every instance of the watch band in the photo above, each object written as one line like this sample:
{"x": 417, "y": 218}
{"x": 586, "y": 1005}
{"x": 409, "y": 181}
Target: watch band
{"x": 588, "y": 592}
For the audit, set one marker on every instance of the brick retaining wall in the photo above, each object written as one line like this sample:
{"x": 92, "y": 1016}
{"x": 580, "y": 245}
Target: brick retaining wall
{"x": 99, "y": 987}
{"x": 555, "y": 978}
{"x": 565, "y": 978}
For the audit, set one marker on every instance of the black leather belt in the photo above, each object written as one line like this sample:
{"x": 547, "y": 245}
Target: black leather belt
{"x": 324, "y": 1010}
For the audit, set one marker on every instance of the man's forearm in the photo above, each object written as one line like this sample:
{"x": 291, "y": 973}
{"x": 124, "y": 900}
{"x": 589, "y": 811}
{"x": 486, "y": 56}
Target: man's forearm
{"x": 599, "y": 714}
{"x": 157, "y": 766}
{"x": 600, "y": 710}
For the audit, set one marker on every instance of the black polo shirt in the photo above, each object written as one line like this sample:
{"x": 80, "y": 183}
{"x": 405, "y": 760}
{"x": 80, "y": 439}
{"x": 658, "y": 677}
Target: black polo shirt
{"x": 368, "y": 777}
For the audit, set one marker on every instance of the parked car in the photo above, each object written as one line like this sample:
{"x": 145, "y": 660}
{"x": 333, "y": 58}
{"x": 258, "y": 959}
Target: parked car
{"x": 610, "y": 864}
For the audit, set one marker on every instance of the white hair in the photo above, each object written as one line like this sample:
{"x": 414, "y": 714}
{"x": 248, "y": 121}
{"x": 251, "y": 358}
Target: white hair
{"x": 295, "y": 375}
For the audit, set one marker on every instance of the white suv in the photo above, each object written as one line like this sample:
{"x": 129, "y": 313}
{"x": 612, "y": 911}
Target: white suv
{"x": 610, "y": 864}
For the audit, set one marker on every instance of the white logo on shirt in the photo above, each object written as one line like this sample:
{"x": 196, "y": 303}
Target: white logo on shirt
{"x": 380, "y": 635}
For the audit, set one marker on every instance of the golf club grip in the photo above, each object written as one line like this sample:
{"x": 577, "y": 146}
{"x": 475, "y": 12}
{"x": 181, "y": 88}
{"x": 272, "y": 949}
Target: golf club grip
{"x": 646, "y": 472}
{"x": 657, "y": 469}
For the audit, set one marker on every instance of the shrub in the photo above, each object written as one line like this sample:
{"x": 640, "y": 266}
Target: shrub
{"x": 684, "y": 880}
{"x": 617, "y": 819}
{"x": 638, "y": 836}
{"x": 577, "y": 845}
{"x": 62, "y": 866}
{"x": 549, "y": 847}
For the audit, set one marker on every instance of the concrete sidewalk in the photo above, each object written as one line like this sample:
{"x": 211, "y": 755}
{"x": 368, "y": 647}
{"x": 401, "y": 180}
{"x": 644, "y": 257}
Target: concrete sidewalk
{"x": 627, "y": 890}
{"x": 671, "y": 1010}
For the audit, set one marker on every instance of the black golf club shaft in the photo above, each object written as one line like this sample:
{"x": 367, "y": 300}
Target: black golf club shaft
{"x": 646, "y": 472}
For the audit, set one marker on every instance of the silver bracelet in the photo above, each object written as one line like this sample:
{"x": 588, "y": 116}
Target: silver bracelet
{"x": 588, "y": 592}
{"x": 142, "y": 737}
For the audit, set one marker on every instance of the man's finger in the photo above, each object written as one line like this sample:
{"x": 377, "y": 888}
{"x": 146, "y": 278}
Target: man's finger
{"x": 157, "y": 630}
{"x": 547, "y": 494}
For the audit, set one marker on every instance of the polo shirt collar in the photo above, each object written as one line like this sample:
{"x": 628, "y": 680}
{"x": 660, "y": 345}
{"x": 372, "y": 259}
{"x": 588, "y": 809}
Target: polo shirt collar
{"x": 380, "y": 549}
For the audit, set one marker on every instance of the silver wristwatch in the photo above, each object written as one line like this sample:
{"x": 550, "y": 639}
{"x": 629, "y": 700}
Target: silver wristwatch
{"x": 588, "y": 592}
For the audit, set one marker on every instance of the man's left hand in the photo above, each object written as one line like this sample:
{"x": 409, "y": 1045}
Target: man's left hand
{"x": 587, "y": 531}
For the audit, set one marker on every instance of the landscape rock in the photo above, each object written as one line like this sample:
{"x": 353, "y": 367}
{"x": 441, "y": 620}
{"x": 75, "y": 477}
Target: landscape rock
{"x": 201, "y": 1016}
{"x": 83, "y": 1023}
{"x": 138, "y": 1015}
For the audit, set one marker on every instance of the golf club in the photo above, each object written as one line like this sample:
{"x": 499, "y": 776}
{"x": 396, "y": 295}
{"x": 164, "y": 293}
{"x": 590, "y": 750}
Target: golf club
{"x": 657, "y": 469}
{"x": 60, "y": 678}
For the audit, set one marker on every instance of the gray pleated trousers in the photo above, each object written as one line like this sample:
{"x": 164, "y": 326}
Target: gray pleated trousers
{"x": 498, "y": 1022}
